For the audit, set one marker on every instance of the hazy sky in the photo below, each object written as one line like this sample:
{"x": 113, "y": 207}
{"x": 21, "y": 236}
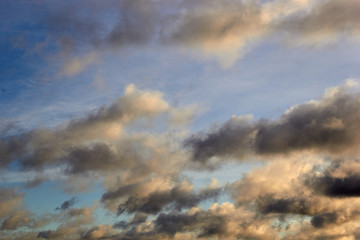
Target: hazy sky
{"x": 180, "y": 119}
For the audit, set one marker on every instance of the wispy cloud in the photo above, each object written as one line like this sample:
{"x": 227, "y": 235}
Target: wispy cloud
{"x": 226, "y": 30}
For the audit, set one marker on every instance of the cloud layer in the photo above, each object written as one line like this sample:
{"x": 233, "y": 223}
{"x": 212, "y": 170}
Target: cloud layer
{"x": 226, "y": 30}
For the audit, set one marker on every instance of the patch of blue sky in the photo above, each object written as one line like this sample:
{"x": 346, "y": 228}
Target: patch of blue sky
{"x": 228, "y": 173}
{"x": 225, "y": 175}
{"x": 259, "y": 85}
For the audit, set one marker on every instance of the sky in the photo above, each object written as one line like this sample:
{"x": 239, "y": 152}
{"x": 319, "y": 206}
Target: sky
{"x": 180, "y": 119}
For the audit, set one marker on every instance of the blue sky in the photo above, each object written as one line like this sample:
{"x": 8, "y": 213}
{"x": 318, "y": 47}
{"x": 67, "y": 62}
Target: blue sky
{"x": 199, "y": 119}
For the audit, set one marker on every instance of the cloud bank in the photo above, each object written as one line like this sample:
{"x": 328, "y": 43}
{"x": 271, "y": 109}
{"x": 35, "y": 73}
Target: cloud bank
{"x": 308, "y": 187}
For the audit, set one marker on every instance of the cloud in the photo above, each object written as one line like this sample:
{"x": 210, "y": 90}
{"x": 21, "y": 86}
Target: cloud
{"x": 111, "y": 146}
{"x": 307, "y": 188}
{"x": 16, "y": 220}
{"x": 323, "y": 219}
{"x": 73, "y": 223}
{"x": 67, "y": 204}
{"x": 235, "y": 137}
{"x": 325, "y": 22}
{"x": 13, "y": 214}
{"x": 45, "y": 234}
{"x": 226, "y": 30}
{"x": 78, "y": 65}
{"x": 91, "y": 139}
{"x": 178, "y": 198}
{"x": 285, "y": 189}
{"x": 10, "y": 201}
{"x": 287, "y": 206}
{"x": 341, "y": 179}
{"x": 222, "y": 29}
{"x": 135, "y": 221}
{"x": 337, "y": 187}
{"x": 98, "y": 232}
{"x": 327, "y": 125}
{"x": 218, "y": 222}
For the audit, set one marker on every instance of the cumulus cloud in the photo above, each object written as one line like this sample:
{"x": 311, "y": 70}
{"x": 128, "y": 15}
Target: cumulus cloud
{"x": 107, "y": 146}
{"x": 291, "y": 188}
{"x": 340, "y": 179}
{"x": 327, "y": 125}
{"x": 91, "y": 139}
{"x": 307, "y": 189}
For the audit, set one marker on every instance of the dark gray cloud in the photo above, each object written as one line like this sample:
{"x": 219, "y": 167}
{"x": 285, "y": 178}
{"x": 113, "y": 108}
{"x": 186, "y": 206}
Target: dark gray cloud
{"x": 330, "y": 125}
{"x": 45, "y": 234}
{"x": 67, "y": 204}
{"x": 323, "y": 220}
{"x": 121, "y": 225}
{"x": 168, "y": 224}
{"x": 90, "y": 158}
{"x": 135, "y": 221}
{"x": 176, "y": 198}
{"x": 269, "y": 204}
{"x": 121, "y": 191}
{"x": 216, "y": 223}
{"x": 348, "y": 186}
{"x": 234, "y": 138}
{"x": 176, "y": 222}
